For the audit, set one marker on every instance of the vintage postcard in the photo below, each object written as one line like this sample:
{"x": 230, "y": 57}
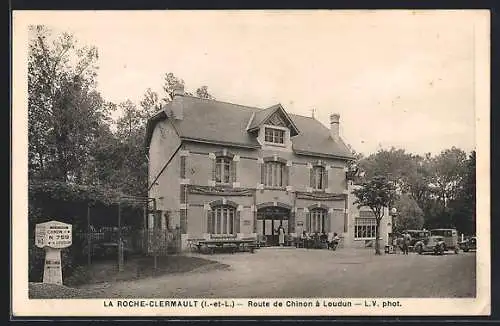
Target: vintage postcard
{"x": 251, "y": 163}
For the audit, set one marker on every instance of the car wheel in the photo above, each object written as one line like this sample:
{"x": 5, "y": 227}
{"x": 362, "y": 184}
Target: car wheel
{"x": 456, "y": 250}
{"x": 420, "y": 250}
{"x": 442, "y": 249}
{"x": 466, "y": 249}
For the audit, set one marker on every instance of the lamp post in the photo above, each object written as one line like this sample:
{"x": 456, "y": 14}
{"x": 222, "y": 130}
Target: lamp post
{"x": 393, "y": 213}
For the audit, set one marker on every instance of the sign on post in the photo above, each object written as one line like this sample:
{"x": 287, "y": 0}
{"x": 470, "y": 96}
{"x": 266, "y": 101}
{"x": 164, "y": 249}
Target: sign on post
{"x": 53, "y": 236}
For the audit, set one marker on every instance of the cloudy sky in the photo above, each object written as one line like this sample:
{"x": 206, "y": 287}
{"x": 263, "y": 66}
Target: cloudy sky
{"x": 399, "y": 78}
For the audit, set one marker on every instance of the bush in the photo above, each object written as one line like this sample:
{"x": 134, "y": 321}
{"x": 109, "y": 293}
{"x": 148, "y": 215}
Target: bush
{"x": 80, "y": 275}
{"x": 36, "y": 257}
{"x": 36, "y": 263}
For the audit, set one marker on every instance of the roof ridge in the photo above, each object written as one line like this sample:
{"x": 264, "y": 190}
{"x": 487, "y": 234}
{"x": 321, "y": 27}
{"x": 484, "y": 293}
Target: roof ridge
{"x": 226, "y": 102}
{"x": 249, "y": 107}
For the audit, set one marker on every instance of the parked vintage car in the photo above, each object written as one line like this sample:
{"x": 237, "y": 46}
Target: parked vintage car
{"x": 450, "y": 238}
{"x": 469, "y": 244}
{"x": 434, "y": 244}
{"x": 417, "y": 235}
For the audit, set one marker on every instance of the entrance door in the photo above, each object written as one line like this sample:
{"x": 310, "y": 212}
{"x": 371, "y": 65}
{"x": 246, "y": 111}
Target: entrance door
{"x": 268, "y": 221}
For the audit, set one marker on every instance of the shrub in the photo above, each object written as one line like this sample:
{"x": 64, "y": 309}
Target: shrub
{"x": 79, "y": 275}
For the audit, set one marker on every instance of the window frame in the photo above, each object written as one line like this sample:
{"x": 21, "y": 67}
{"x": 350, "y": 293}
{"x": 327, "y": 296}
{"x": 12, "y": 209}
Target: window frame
{"x": 319, "y": 172}
{"x": 273, "y": 169}
{"x": 226, "y": 161}
{"x": 368, "y": 224}
{"x": 223, "y": 220}
{"x": 275, "y": 134}
{"x": 317, "y": 216}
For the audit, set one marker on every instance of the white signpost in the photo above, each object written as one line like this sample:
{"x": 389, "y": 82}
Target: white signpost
{"x": 53, "y": 236}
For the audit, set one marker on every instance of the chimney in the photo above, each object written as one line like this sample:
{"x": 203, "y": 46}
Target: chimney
{"x": 177, "y": 105}
{"x": 334, "y": 126}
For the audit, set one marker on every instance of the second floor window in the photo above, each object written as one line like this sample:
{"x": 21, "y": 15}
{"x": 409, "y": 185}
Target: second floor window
{"x": 319, "y": 178}
{"x": 274, "y": 174}
{"x": 223, "y": 170}
{"x": 276, "y": 136}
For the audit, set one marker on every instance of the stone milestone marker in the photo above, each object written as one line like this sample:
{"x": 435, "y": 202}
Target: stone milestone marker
{"x": 53, "y": 236}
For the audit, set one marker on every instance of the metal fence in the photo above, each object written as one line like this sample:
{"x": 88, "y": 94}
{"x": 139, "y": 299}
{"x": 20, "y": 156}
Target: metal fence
{"x": 105, "y": 243}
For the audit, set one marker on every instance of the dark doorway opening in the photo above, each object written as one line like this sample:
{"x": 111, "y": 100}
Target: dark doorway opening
{"x": 268, "y": 221}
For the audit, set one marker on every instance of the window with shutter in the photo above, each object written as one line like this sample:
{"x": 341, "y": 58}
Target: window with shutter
{"x": 214, "y": 170}
{"x": 224, "y": 170}
{"x": 233, "y": 171}
{"x": 325, "y": 178}
{"x": 319, "y": 177}
{"x": 328, "y": 222}
{"x": 237, "y": 222}
{"x": 263, "y": 173}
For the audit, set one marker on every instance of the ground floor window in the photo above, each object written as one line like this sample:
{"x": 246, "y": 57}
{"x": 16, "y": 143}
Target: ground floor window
{"x": 221, "y": 220}
{"x": 318, "y": 217}
{"x": 365, "y": 228}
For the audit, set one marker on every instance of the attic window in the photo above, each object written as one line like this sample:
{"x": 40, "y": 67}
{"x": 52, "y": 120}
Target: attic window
{"x": 276, "y": 136}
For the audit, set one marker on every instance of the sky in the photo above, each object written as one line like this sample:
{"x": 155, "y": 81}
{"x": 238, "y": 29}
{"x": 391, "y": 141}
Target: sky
{"x": 397, "y": 78}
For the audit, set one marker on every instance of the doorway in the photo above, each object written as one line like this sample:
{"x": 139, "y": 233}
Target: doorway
{"x": 268, "y": 221}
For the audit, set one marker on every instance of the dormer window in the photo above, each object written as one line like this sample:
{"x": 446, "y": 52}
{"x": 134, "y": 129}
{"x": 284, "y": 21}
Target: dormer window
{"x": 276, "y": 136}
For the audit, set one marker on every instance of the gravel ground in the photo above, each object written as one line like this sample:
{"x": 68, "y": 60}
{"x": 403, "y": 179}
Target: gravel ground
{"x": 314, "y": 273}
{"x": 52, "y": 291}
{"x": 311, "y": 273}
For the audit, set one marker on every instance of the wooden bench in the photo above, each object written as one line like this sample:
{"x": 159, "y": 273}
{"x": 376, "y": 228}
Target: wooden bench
{"x": 231, "y": 245}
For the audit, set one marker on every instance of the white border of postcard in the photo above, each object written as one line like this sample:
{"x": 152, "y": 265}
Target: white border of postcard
{"x": 22, "y": 306}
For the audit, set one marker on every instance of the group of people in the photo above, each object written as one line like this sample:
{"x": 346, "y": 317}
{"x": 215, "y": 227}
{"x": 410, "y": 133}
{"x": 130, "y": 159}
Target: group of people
{"x": 402, "y": 242}
{"x": 305, "y": 236}
{"x": 319, "y": 238}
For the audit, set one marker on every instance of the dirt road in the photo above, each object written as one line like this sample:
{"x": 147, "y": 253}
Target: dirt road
{"x": 290, "y": 272}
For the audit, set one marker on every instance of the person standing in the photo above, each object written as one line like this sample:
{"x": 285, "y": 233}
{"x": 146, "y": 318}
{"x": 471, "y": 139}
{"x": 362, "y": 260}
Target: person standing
{"x": 406, "y": 243}
{"x": 281, "y": 235}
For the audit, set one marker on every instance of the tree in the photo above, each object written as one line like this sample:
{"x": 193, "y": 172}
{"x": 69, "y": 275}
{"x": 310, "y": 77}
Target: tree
{"x": 410, "y": 216}
{"x": 202, "y": 92}
{"x": 464, "y": 205}
{"x": 65, "y": 111}
{"x": 398, "y": 166}
{"x": 169, "y": 84}
{"x": 447, "y": 172}
{"x": 130, "y": 133}
{"x": 377, "y": 194}
{"x": 150, "y": 103}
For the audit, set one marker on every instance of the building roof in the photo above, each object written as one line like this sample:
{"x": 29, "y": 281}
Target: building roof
{"x": 225, "y": 123}
{"x": 262, "y": 116}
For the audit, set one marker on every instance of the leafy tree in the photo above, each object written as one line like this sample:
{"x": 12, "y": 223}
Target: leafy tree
{"x": 464, "y": 205}
{"x": 169, "y": 84}
{"x": 65, "y": 111}
{"x": 171, "y": 81}
{"x": 150, "y": 103}
{"x": 377, "y": 194}
{"x": 132, "y": 174}
{"x": 410, "y": 216}
{"x": 447, "y": 172}
{"x": 202, "y": 92}
{"x": 398, "y": 166}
